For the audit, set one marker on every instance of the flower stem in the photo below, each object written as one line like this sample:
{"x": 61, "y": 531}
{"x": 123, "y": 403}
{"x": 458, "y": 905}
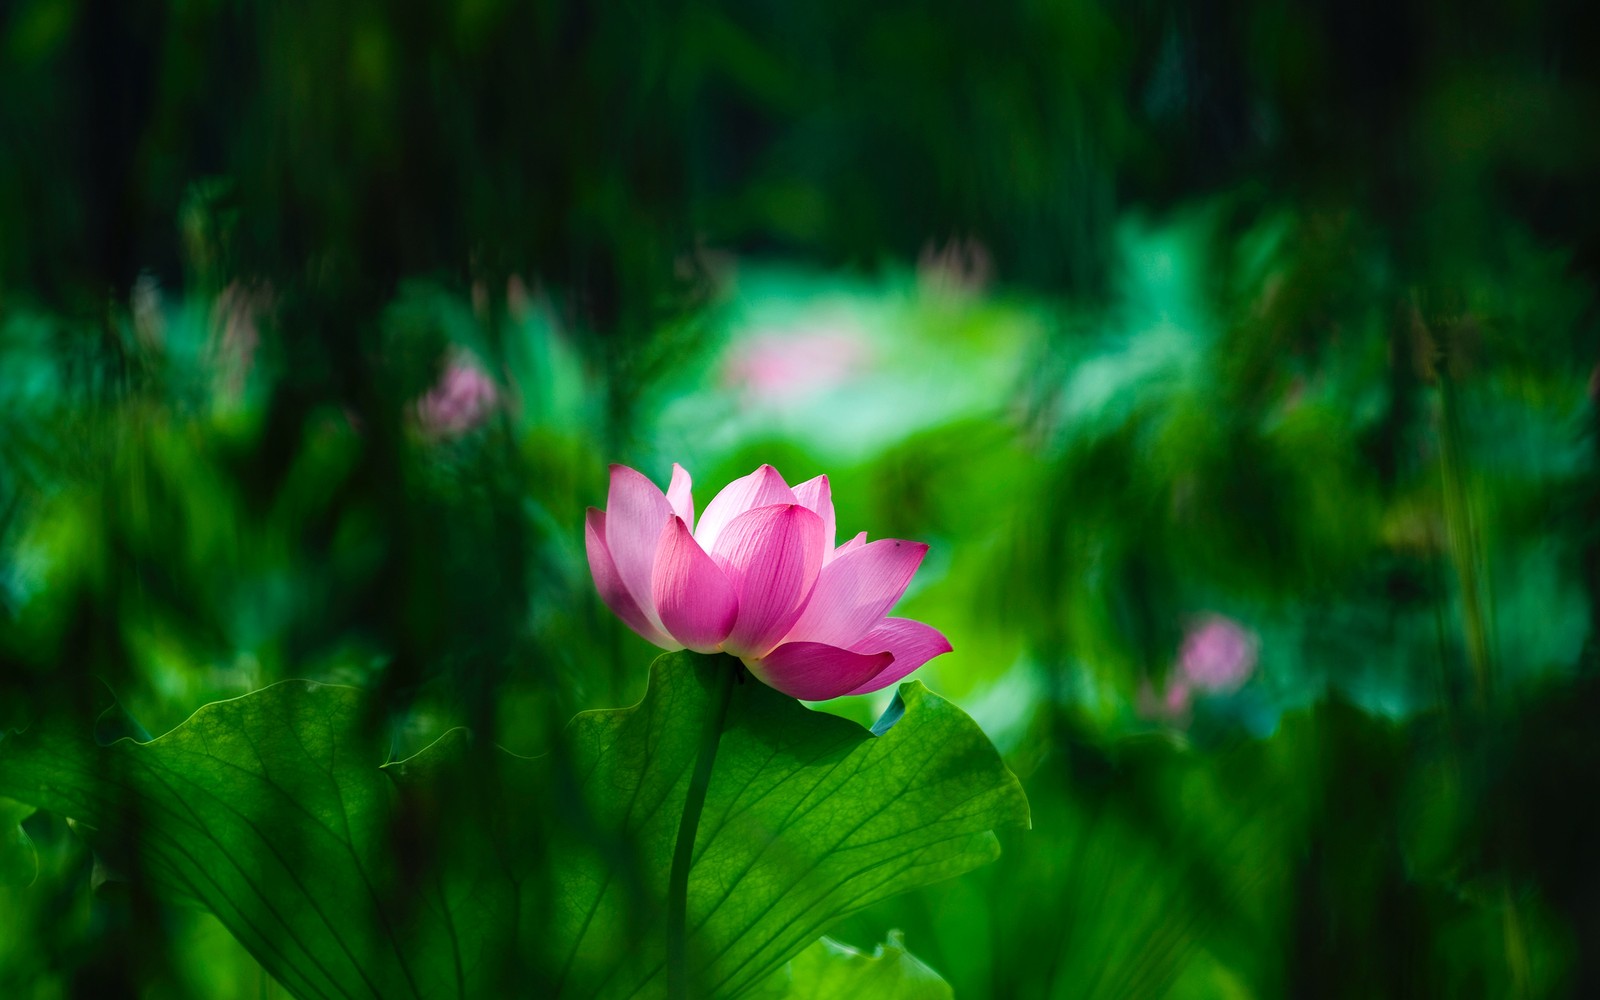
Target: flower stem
{"x": 727, "y": 670}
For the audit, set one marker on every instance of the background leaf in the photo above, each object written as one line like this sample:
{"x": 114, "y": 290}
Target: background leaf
{"x": 831, "y": 970}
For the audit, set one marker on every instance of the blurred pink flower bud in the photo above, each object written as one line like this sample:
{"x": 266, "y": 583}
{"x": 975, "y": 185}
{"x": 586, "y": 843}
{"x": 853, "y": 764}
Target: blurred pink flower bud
{"x": 1179, "y": 694}
{"x": 1218, "y": 654}
{"x": 149, "y": 313}
{"x": 1171, "y": 705}
{"x": 460, "y": 401}
{"x": 519, "y": 300}
{"x": 759, "y": 577}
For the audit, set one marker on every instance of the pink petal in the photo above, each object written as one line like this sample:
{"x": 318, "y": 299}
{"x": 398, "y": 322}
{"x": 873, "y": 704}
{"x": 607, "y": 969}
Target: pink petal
{"x": 635, "y": 514}
{"x": 679, "y": 497}
{"x": 850, "y": 546}
{"x": 609, "y": 582}
{"x": 912, "y": 644}
{"x": 856, "y": 590}
{"x": 695, "y": 600}
{"x": 816, "y": 671}
{"x": 772, "y": 556}
{"x": 816, "y": 495}
{"x": 761, "y": 488}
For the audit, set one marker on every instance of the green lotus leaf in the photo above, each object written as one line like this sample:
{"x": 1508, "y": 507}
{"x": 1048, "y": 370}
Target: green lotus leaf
{"x": 470, "y": 871}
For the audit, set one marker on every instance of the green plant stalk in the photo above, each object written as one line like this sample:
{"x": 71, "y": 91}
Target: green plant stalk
{"x": 1465, "y": 551}
{"x": 1467, "y": 554}
{"x": 683, "y": 852}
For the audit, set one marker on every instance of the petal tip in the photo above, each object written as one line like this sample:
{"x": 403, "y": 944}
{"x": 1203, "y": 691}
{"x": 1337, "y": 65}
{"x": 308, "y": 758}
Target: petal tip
{"x": 625, "y": 471}
{"x": 769, "y": 471}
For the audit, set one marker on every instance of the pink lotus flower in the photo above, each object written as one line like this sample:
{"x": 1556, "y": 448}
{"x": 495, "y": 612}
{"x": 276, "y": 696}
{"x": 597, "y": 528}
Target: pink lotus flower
{"x": 1218, "y": 654}
{"x": 460, "y": 401}
{"x": 759, "y": 577}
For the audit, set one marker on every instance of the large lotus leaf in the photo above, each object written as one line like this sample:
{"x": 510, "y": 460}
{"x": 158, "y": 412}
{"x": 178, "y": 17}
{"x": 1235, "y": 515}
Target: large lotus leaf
{"x": 466, "y": 870}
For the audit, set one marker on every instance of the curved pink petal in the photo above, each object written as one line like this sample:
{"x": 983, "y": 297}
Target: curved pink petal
{"x": 816, "y": 671}
{"x": 761, "y": 488}
{"x": 856, "y": 590}
{"x": 772, "y": 556}
{"x": 694, "y": 598}
{"x": 850, "y": 546}
{"x": 912, "y": 644}
{"x": 816, "y": 495}
{"x": 609, "y": 582}
{"x": 636, "y": 512}
{"x": 679, "y": 496}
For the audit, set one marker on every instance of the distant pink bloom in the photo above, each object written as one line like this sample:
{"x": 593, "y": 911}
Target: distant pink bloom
{"x": 784, "y": 367}
{"x": 961, "y": 266}
{"x": 236, "y": 332}
{"x": 759, "y": 577}
{"x": 1218, "y": 654}
{"x": 460, "y": 401}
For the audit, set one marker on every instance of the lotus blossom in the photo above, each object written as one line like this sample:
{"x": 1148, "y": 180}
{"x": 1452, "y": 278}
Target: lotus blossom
{"x": 1218, "y": 654}
{"x": 460, "y": 401}
{"x": 759, "y": 576}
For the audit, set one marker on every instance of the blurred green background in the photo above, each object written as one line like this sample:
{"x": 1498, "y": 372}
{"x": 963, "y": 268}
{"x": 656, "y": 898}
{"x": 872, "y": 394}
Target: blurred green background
{"x": 1237, "y": 360}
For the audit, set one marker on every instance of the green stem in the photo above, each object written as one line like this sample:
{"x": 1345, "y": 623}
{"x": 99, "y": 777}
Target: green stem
{"x": 683, "y": 853}
{"x": 1467, "y": 554}
{"x": 1464, "y": 548}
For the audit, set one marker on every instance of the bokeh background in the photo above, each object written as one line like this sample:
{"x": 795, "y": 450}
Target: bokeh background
{"x": 1237, "y": 360}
